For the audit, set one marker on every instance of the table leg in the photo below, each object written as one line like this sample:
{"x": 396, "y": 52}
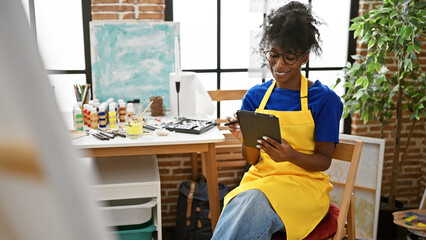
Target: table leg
{"x": 212, "y": 183}
{"x": 194, "y": 163}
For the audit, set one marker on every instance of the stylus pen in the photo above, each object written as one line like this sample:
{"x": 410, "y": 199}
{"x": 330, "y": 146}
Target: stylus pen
{"x": 230, "y": 123}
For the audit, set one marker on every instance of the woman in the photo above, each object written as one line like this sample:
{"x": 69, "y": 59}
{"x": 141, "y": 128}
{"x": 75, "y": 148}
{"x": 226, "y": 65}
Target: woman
{"x": 285, "y": 188}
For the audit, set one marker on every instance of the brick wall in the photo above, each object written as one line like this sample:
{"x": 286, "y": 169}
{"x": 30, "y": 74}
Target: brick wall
{"x": 412, "y": 177}
{"x": 128, "y": 9}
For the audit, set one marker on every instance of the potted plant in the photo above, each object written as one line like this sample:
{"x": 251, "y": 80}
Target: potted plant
{"x": 388, "y": 80}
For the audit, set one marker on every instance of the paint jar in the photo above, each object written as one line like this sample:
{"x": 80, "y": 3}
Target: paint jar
{"x": 134, "y": 126}
{"x": 74, "y": 113}
{"x": 138, "y": 106}
{"x": 93, "y": 118}
{"x": 112, "y": 114}
{"x": 102, "y": 117}
{"x": 122, "y": 111}
{"x": 130, "y": 110}
{"x": 85, "y": 114}
{"x": 79, "y": 124}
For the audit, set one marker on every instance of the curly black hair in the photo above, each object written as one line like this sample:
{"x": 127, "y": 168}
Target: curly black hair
{"x": 292, "y": 27}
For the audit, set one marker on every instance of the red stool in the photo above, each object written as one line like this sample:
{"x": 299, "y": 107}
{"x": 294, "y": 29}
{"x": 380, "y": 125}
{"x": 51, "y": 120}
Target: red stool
{"x": 324, "y": 230}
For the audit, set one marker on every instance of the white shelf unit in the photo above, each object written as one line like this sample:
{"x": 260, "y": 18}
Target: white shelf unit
{"x": 128, "y": 178}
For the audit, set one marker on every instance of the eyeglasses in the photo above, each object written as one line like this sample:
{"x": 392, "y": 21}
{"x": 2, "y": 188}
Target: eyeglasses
{"x": 289, "y": 58}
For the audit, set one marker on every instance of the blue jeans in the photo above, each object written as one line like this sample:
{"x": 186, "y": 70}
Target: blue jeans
{"x": 248, "y": 216}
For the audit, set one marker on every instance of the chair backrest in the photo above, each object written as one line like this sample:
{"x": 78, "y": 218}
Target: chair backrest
{"x": 223, "y": 95}
{"x": 349, "y": 151}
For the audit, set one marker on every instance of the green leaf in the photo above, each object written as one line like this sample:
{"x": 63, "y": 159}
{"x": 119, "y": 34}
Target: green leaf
{"x": 337, "y": 83}
{"x": 359, "y": 81}
{"x": 371, "y": 67}
{"x": 353, "y": 26}
{"x": 420, "y": 5}
{"x": 376, "y": 109}
{"x": 357, "y": 57}
{"x": 401, "y": 40}
{"x": 383, "y": 21}
{"x": 380, "y": 80}
{"x": 358, "y": 95}
{"x": 410, "y": 48}
{"x": 371, "y": 42}
{"x": 417, "y": 48}
{"x": 357, "y": 19}
{"x": 378, "y": 67}
{"x": 417, "y": 114}
{"x": 393, "y": 13}
{"x": 357, "y": 32}
{"x": 408, "y": 65}
{"x": 365, "y": 83}
{"x": 394, "y": 89}
{"x": 348, "y": 84}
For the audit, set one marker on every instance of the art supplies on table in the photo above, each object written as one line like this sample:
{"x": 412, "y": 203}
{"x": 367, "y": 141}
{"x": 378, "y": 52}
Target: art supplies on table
{"x": 82, "y": 93}
{"x": 192, "y": 126}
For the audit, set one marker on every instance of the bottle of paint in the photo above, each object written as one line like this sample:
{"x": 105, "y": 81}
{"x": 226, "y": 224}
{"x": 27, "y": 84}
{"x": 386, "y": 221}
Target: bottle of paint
{"x": 93, "y": 118}
{"x": 85, "y": 113}
{"x": 96, "y": 105}
{"x": 74, "y": 107}
{"x": 138, "y": 106}
{"x": 79, "y": 124}
{"x": 130, "y": 111}
{"x": 112, "y": 116}
{"x": 122, "y": 111}
{"x": 102, "y": 117}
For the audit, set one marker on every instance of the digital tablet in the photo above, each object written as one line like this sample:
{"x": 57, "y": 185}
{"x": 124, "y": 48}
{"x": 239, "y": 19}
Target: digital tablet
{"x": 256, "y": 125}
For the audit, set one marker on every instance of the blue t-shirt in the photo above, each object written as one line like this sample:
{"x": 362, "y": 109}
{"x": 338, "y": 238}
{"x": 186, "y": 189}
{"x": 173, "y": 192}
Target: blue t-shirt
{"x": 325, "y": 105}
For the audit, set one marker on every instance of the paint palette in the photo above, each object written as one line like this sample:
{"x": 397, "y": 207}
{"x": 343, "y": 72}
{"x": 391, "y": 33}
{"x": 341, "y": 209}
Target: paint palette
{"x": 413, "y": 219}
{"x": 191, "y": 126}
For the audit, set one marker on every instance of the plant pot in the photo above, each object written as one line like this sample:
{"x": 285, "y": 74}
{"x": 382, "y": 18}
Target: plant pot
{"x": 386, "y": 228}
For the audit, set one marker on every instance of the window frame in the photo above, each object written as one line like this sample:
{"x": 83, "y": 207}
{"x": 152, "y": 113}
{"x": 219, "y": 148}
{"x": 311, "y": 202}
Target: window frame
{"x": 87, "y": 17}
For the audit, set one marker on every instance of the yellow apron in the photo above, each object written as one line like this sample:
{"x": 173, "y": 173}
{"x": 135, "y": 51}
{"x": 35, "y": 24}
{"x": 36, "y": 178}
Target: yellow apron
{"x": 300, "y": 197}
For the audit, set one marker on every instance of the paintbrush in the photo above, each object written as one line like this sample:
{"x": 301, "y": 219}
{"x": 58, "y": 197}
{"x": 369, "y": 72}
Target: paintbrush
{"x": 140, "y": 116}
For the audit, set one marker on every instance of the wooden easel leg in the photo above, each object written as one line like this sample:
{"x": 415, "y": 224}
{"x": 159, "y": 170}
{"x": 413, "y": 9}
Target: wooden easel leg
{"x": 351, "y": 219}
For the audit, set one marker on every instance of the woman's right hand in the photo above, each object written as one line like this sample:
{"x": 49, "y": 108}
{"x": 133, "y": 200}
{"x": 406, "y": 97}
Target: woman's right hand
{"x": 235, "y": 128}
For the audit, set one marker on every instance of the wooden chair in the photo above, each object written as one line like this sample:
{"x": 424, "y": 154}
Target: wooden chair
{"x": 350, "y": 152}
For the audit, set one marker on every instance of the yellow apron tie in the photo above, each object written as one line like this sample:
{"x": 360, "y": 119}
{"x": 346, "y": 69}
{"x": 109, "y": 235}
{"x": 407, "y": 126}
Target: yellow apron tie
{"x": 299, "y": 197}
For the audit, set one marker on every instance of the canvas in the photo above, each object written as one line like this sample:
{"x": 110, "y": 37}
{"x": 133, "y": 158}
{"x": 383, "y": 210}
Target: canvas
{"x": 132, "y": 59}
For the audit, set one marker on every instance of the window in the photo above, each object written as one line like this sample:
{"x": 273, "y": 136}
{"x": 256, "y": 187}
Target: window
{"x": 58, "y": 28}
{"x": 220, "y": 32}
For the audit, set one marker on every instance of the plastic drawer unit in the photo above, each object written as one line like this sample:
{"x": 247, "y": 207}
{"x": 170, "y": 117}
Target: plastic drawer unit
{"x": 129, "y": 211}
{"x": 131, "y": 187}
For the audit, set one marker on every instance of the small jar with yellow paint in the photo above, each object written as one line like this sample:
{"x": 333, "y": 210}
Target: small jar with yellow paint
{"x": 134, "y": 127}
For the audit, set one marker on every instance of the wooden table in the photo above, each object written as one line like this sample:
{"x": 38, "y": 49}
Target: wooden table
{"x": 172, "y": 144}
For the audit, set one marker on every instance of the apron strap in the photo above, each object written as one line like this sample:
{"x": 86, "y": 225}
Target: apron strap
{"x": 303, "y": 94}
{"x": 266, "y": 96}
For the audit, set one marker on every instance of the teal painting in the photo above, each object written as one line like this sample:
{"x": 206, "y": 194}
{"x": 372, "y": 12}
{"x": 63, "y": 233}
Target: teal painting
{"x": 132, "y": 60}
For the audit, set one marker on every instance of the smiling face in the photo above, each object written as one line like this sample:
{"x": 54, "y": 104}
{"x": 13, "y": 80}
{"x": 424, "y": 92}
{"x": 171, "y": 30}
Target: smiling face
{"x": 285, "y": 67}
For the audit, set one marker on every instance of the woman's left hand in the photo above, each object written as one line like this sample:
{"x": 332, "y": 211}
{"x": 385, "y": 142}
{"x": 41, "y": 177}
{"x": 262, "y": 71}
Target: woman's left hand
{"x": 278, "y": 152}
